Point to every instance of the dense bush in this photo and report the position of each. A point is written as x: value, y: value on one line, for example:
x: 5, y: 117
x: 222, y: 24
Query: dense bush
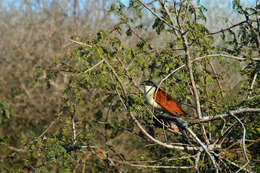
x: 70, y: 96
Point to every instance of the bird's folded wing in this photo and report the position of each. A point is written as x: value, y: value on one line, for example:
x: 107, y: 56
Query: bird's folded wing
x: 168, y: 103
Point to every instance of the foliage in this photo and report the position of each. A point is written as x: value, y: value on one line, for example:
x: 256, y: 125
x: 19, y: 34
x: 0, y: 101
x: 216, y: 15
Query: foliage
x: 93, y: 129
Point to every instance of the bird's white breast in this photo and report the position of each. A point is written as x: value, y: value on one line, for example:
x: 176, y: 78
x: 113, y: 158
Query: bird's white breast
x: 149, y: 96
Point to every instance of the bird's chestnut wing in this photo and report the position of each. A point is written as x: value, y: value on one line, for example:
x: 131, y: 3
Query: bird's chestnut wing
x: 168, y: 103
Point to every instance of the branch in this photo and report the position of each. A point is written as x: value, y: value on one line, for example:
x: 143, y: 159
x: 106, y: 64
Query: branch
x: 232, y: 163
x: 51, y: 124
x: 221, y: 139
x: 169, y: 15
x: 197, y: 160
x: 254, y: 78
x: 244, y: 136
x: 234, y: 57
x: 14, y: 148
x: 115, y: 74
x: 159, y: 17
x: 218, y: 82
x: 205, y: 148
x: 194, y: 87
x: 80, y: 43
x: 228, y: 28
x: 91, y: 68
x: 74, y: 130
x: 153, y: 166
x: 219, y: 116
x: 196, y: 97
x: 202, y: 57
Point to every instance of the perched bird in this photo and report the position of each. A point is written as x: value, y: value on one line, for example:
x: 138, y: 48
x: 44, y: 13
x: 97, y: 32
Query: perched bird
x: 159, y: 99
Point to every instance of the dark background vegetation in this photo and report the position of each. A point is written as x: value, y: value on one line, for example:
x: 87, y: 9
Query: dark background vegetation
x: 34, y: 44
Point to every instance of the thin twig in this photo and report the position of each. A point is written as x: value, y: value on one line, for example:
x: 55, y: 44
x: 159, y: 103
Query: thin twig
x: 197, y: 160
x: 73, y: 124
x: 228, y: 28
x: 215, y: 73
x: 45, y: 131
x: 254, y: 79
x: 51, y: 124
x: 80, y: 43
x: 91, y: 68
x: 14, y: 148
x: 169, y: 15
x: 74, y: 130
x: 138, y: 36
x: 221, y: 139
x: 232, y: 163
x: 115, y: 74
x: 221, y: 160
x: 202, y: 57
x: 232, y: 57
x: 186, y: 11
x: 159, y: 17
x: 224, y: 125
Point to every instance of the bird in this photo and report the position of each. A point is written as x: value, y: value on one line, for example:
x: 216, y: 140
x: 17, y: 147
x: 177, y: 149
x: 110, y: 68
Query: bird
x: 159, y: 99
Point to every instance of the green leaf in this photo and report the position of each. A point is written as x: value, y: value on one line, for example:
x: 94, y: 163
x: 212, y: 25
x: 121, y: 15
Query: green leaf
x: 5, y: 111
x: 158, y: 25
x: 129, y: 32
x: 138, y: 12
x: 99, y: 115
x: 64, y: 170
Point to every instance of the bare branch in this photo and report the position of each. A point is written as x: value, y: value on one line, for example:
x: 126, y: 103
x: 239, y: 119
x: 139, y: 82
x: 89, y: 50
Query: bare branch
x: 153, y: 166
x: 45, y: 131
x: 14, y: 148
x: 73, y: 114
x: 166, y: 77
x: 186, y: 11
x: 219, y: 116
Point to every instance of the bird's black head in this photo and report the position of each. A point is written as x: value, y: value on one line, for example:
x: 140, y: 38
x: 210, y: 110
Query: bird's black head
x: 148, y: 83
